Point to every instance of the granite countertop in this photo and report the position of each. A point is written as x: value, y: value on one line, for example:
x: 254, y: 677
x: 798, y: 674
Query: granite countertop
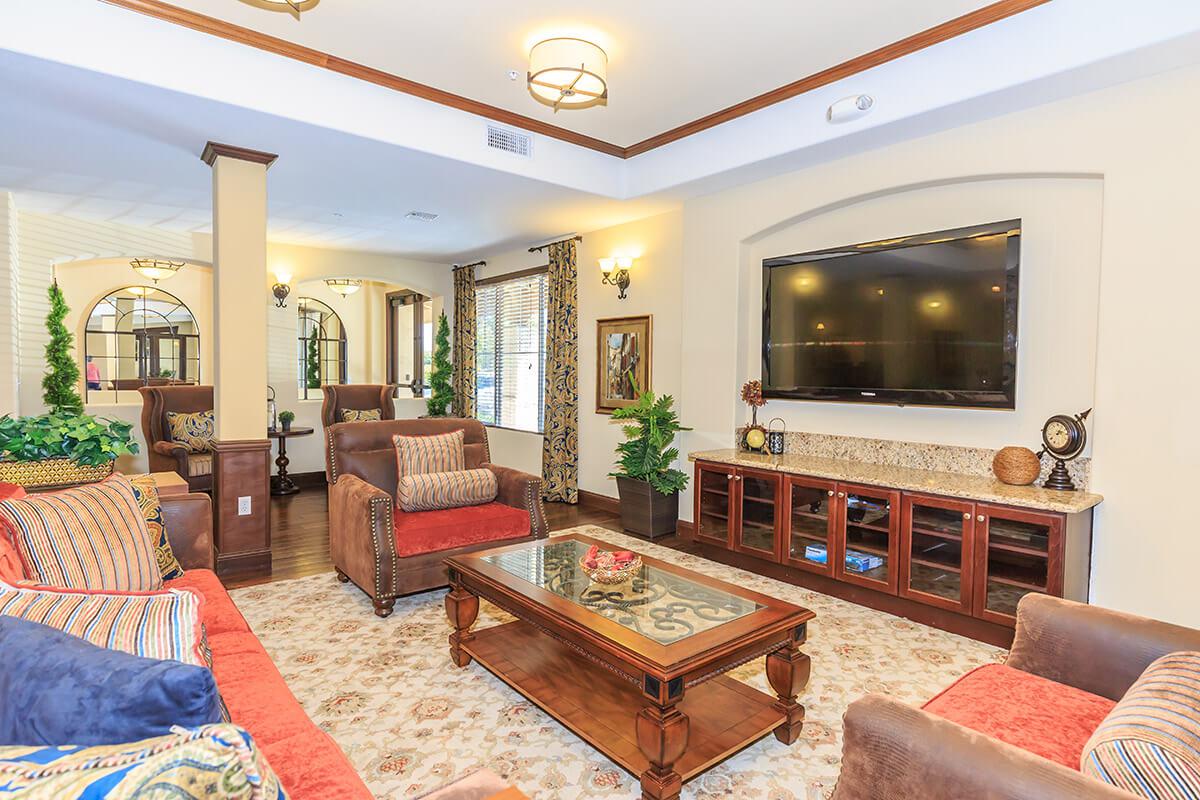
x: 971, y: 487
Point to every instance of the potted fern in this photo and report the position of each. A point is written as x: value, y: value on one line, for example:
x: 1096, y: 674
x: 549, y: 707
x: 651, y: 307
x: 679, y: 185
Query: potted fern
x: 647, y: 483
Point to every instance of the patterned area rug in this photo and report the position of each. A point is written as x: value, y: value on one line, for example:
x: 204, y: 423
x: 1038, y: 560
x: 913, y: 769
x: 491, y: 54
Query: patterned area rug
x: 409, y: 721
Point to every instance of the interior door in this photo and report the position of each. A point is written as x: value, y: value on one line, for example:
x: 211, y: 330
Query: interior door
x: 1019, y: 552
x: 938, y: 539
x: 809, y: 522
x: 868, y: 536
x: 715, y: 493
x: 758, y: 515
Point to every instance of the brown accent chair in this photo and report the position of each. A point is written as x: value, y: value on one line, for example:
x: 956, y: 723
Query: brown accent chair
x: 166, y: 455
x: 388, y: 553
x: 893, y: 750
x: 356, y: 397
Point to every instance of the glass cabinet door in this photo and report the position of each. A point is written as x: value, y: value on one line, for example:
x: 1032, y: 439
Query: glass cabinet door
x: 811, y: 520
x: 869, y: 536
x: 938, y: 536
x: 758, y: 521
x: 1019, y: 554
x: 714, y: 507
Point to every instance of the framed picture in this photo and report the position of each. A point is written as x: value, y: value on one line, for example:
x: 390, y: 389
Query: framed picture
x: 623, y: 350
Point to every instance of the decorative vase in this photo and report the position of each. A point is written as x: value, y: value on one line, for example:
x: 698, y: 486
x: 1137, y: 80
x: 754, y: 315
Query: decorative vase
x: 286, y: 424
x: 1017, y: 466
x: 52, y: 473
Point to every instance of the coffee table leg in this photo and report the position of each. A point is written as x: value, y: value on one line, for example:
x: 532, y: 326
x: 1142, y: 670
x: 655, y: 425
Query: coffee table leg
x: 462, y: 608
x: 788, y: 671
x: 662, y: 735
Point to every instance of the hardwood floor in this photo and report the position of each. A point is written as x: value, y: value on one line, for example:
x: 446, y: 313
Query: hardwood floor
x: 300, y: 534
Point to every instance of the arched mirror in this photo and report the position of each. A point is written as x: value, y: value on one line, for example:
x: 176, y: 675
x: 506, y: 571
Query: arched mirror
x: 320, y: 347
x: 138, y: 336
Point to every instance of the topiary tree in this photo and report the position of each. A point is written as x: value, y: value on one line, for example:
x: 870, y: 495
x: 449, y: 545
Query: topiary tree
x: 60, y: 385
x: 312, y: 362
x: 441, y: 393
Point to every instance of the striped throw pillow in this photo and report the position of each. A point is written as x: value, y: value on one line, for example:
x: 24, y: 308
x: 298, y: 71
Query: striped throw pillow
x: 220, y: 762
x: 361, y: 414
x: 430, y: 491
x: 194, y: 431
x: 163, y: 625
x: 1149, y: 744
x: 416, y: 455
x: 87, y: 537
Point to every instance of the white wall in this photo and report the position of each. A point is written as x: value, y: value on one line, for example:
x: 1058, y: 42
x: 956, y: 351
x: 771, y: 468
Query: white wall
x: 1114, y: 151
x: 10, y: 306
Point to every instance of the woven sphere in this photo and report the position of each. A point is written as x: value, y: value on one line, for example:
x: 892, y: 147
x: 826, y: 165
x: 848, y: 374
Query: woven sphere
x: 1018, y: 466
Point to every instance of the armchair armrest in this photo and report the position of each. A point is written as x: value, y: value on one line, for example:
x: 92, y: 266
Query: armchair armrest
x: 892, y: 751
x: 189, y: 524
x: 361, y: 539
x: 168, y: 457
x: 1094, y: 649
x: 522, y: 490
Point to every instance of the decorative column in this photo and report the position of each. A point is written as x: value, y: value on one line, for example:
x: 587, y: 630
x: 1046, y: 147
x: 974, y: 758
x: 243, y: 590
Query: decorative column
x: 10, y: 286
x: 241, y: 469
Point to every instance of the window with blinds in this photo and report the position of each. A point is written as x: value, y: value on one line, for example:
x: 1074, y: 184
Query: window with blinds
x: 510, y: 352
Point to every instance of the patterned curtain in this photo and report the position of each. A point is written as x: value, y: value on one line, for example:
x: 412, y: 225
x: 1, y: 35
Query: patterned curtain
x: 560, y: 445
x: 464, y: 341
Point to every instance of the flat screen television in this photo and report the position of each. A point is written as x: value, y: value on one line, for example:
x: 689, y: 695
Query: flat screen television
x: 929, y: 319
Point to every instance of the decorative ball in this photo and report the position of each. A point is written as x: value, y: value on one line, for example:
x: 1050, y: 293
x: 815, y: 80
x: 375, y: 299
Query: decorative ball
x: 1018, y: 466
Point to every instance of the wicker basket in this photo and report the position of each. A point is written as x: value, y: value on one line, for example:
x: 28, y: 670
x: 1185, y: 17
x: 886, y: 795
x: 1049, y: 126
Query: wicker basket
x: 1018, y: 466
x: 613, y: 577
x: 52, y: 473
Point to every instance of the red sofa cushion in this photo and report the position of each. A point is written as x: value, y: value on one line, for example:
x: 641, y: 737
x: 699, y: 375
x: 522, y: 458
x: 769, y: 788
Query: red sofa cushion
x: 309, y: 764
x: 419, y: 532
x: 1046, y: 718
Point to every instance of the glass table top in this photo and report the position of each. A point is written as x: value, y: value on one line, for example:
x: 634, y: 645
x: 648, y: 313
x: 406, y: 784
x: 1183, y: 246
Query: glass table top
x: 659, y: 605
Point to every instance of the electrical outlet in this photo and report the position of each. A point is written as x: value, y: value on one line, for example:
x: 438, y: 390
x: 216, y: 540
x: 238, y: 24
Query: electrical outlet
x: 243, y: 506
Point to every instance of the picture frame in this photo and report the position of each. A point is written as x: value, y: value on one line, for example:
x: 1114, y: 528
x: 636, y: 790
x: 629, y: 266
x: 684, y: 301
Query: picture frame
x: 622, y: 344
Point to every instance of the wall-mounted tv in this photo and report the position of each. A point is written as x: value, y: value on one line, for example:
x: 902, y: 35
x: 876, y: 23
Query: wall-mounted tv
x: 929, y: 319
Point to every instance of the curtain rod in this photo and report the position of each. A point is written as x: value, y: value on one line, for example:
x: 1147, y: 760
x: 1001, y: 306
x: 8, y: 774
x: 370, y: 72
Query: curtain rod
x: 541, y: 247
x: 473, y: 264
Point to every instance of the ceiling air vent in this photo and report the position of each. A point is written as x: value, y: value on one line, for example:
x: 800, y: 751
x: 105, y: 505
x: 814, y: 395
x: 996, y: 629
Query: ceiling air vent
x: 510, y: 141
x: 421, y: 216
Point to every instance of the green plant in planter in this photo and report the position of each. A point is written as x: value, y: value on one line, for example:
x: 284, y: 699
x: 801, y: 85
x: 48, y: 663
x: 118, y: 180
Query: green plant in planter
x: 647, y: 454
x: 79, y: 437
x: 287, y: 417
x: 441, y: 392
x: 60, y: 385
x: 312, y: 363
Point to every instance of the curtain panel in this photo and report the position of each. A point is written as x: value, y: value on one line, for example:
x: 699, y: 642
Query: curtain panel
x: 463, y: 352
x: 560, y: 445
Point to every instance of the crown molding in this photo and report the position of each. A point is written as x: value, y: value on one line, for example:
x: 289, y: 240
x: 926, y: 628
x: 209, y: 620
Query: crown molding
x: 214, y: 149
x: 974, y: 20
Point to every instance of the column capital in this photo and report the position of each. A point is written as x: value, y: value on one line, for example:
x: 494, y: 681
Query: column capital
x: 214, y: 149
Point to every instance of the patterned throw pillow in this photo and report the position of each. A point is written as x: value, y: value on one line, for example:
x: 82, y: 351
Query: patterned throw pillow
x: 195, y: 431
x: 86, y: 537
x: 416, y: 455
x: 1149, y: 744
x: 361, y: 414
x: 436, y: 490
x: 164, y: 624
x: 218, y: 762
x: 145, y: 490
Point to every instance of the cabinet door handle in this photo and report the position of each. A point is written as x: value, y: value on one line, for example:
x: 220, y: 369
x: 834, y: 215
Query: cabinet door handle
x: 966, y: 516
x: 830, y: 493
x: 737, y: 477
x: 728, y: 477
x: 841, y: 494
x: 980, y: 518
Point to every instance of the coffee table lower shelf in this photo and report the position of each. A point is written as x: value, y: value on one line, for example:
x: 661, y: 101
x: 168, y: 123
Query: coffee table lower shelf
x: 600, y: 707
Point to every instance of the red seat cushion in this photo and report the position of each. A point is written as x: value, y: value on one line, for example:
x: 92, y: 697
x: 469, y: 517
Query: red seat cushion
x: 419, y: 532
x: 220, y: 614
x: 1049, y: 719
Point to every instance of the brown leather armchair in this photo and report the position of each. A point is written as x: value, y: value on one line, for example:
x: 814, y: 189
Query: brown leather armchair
x: 356, y: 397
x: 893, y: 750
x: 169, y: 456
x: 373, y: 545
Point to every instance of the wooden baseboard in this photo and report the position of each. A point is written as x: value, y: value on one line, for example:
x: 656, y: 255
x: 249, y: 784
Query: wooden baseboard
x: 308, y: 480
x: 599, y: 502
x: 256, y: 563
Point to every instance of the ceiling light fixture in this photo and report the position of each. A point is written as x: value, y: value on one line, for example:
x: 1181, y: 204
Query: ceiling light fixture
x: 344, y: 286
x: 156, y: 269
x: 293, y: 7
x: 566, y: 72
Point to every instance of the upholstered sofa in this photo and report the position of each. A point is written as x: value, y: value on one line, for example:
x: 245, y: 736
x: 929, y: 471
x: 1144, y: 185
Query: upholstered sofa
x: 340, y: 398
x: 387, y: 552
x: 309, y: 764
x: 165, y: 454
x: 1013, y: 731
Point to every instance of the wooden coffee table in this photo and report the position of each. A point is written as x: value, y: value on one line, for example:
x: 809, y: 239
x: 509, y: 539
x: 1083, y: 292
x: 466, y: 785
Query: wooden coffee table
x: 636, y: 670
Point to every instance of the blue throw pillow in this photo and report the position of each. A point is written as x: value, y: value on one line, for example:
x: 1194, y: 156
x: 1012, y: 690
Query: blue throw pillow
x: 58, y: 689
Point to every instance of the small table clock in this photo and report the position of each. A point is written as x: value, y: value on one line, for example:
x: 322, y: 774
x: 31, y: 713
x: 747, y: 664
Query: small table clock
x: 1064, y: 438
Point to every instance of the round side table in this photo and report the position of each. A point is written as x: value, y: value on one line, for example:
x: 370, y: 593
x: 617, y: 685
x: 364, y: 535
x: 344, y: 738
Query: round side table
x: 281, y: 484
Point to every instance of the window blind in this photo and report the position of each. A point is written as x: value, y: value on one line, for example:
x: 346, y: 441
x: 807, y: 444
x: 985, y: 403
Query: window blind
x: 510, y: 352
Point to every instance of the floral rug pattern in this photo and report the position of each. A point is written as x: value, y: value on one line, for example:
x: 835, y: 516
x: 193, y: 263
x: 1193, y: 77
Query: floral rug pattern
x: 386, y: 691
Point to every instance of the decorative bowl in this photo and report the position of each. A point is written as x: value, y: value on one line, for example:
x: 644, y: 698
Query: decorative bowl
x: 1017, y: 466
x: 610, y: 576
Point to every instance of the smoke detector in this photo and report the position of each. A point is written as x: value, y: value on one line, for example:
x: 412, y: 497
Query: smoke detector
x: 421, y: 216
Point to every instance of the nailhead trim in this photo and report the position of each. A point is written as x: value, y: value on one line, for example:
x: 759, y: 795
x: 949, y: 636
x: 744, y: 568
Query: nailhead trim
x: 376, y: 503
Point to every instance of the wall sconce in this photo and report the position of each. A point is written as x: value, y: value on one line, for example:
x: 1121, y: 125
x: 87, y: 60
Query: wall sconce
x: 615, y: 272
x: 281, y: 289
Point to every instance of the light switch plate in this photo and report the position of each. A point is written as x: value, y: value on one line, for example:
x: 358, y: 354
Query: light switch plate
x: 243, y: 506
